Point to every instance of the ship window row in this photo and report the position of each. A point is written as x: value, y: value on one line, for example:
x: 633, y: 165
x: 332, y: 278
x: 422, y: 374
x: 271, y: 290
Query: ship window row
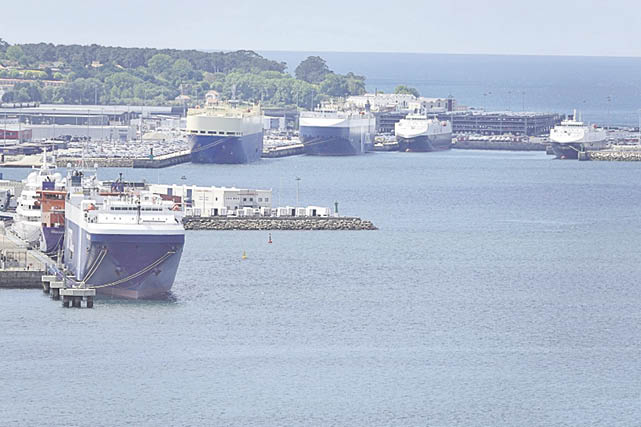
x: 126, y: 208
x: 213, y: 132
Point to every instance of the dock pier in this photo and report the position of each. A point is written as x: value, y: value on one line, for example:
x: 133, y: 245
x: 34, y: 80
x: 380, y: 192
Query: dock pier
x: 22, y: 268
x: 47, y: 279
x: 75, y: 296
x: 56, y: 286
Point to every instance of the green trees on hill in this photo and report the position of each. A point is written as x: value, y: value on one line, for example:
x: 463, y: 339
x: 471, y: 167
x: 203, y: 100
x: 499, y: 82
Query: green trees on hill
x: 402, y: 89
x: 312, y: 70
x: 116, y: 75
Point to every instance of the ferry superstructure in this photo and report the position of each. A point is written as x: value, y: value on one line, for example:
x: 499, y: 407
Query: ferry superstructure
x: 417, y: 132
x: 572, y: 136
x: 332, y: 132
x: 28, y: 213
x: 52, y: 229
x: 125, y: 244
x: 225, y: 132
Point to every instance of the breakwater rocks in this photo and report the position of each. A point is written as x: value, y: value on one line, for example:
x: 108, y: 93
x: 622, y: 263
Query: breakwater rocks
x: 499, y: 145
x: 615, y: 156
x: 277, y: 223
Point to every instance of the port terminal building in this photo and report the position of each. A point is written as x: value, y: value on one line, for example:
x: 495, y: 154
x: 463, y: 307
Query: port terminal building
x: 230, y: 201
x: 501, y: 123
x: 217, y: 201
x: 482, y: 122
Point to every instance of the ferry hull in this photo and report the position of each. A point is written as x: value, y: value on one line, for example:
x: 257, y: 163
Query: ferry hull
x: 226, y: 149
x: 338, y: 141
x: 425, y: 143
x: 571, y: 150
x: 566, y: 151
x: 124, y: 265
x: 51, y: 239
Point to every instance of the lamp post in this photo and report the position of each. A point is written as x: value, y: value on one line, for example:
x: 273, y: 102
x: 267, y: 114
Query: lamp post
x: 609, y: 98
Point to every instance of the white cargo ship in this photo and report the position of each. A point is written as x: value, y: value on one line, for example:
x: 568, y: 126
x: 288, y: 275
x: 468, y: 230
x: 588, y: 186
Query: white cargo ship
x: 27, y: 220
x: 417, y: 132
x: 573, y: 136
x: 332, y: 132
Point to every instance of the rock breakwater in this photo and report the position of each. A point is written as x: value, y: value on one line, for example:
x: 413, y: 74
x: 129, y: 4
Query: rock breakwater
x: 615, y: 156
x: 277, y: 223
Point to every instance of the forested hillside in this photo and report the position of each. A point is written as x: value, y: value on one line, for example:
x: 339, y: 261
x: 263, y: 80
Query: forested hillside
x: 76, y: 74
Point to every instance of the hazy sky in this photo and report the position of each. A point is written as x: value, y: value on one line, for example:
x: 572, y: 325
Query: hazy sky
x: 559, y: 27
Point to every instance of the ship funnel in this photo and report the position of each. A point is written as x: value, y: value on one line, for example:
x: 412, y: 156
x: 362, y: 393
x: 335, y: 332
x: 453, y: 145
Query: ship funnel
x: 574, y: 116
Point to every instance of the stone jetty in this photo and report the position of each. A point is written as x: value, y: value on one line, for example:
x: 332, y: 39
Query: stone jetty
x: 277, y: 223
x: 615, y: 155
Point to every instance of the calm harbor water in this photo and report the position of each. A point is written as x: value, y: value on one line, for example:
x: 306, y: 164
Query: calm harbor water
x: 501, y: 289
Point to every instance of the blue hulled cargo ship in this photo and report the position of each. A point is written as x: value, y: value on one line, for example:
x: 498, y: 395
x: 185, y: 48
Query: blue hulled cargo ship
x: 330, y: 132
x: 126, y: 244
x: 225, y: 132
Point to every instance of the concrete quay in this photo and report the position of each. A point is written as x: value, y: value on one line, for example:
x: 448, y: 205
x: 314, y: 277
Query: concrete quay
x: 19, y: 267
x: 391, y: 146
x: 499, y: 145
x: 163, y: 161
x: 277, y: 223
x: 103, y: 162
x: 284, y: 151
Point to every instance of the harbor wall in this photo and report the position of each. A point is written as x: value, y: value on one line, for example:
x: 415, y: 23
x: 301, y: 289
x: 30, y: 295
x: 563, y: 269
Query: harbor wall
x: 499, y: 145
x: 159, y: 162
x: 162, y: 162
x: 289, y: 150
x: 277, y: 223
x: 23, y: 279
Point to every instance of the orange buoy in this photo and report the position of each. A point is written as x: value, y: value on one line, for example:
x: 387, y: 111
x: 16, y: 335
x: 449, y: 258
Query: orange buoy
x: 270, y: 238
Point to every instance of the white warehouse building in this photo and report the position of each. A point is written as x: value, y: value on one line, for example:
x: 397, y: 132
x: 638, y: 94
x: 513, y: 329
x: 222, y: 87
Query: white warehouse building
x: 215, y: 201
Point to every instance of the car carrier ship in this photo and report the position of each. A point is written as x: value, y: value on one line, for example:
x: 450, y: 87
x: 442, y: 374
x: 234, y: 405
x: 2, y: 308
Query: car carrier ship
x: 332, y: 132
x: 225, y: 132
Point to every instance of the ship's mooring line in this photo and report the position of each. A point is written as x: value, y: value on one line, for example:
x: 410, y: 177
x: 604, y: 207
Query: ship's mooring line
x: 139, y: 273
x: 56, y: 247
x: 210, y: 145
x: 101, y: 256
